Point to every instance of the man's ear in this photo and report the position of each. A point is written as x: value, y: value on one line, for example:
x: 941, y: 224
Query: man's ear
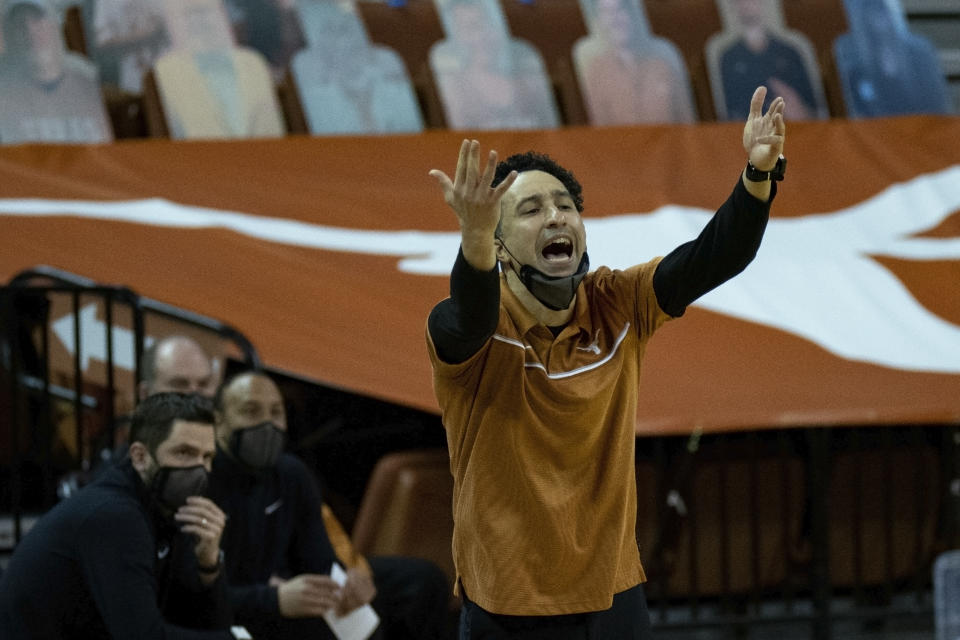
x: 502, y: 256
x: 219, y: 428
x: 143, y: 390
x: 140, y: 457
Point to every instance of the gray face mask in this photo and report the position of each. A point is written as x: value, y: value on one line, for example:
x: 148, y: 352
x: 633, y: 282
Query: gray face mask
x: 171, y: 486
x: 258, y: 447
x: 554, y: 292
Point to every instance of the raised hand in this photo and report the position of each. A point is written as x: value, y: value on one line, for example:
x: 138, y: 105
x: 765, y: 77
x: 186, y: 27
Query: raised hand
x: 476, y: 203
x: 764, y: 133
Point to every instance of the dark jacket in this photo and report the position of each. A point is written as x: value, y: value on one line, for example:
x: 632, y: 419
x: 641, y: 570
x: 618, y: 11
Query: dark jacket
x: 104, y: 564
x: 274, y: 528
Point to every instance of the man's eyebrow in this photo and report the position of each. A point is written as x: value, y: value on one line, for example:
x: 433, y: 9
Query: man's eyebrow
x: 186, y: 447
x: 556, y: 193
x: 528, y: 199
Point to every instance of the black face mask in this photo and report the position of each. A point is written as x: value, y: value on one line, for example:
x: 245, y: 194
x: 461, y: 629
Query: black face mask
x: 171, y: 486
x: 554, y: 292
x: 258, y: 447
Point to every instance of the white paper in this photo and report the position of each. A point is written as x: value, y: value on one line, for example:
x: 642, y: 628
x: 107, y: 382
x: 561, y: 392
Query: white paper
x: 356, y: 625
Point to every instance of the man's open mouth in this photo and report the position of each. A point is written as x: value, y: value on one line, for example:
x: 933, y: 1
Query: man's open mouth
x: 558, y: 249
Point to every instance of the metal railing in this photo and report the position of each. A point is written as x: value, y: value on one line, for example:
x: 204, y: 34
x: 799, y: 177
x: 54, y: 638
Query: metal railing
x: 811, y: 527
x: 30, y: 433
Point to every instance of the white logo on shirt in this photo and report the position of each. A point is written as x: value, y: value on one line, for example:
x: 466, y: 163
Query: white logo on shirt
x: 273, y: 507
x: 593, y: 347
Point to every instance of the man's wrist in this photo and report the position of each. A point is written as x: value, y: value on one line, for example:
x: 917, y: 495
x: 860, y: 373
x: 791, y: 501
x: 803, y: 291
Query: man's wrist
x: 212, y: 568
x: 776, y: 173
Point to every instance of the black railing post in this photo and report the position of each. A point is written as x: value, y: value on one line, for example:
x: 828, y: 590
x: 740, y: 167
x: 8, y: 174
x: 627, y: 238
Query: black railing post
x: 818, y: 479
x: 111, y: 382
x: 78, y: 378
x: 755, y: 529
x: 11, y: 349
x: 45, y: 413
x: 139, y: 337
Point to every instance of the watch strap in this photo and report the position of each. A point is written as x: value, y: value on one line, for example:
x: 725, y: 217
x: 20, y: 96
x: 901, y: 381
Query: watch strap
x: 755, y: 175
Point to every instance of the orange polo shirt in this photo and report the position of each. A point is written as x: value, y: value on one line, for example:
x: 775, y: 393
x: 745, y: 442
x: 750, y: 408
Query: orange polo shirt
x: 541, y: 437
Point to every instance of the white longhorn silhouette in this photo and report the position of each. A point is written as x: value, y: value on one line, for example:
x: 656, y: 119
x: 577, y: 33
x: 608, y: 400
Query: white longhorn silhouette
x: 814, y: 275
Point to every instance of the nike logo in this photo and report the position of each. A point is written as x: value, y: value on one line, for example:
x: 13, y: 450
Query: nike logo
x: 163, y: 551
x: 273, y: 507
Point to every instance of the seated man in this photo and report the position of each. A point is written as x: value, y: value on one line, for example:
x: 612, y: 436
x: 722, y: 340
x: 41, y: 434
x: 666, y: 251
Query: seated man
x: 278, y: 551
x: 47, y: 94
x: 884, y: 69
x: 346, y: 84
x: 626, y: 74
x: 755, y: 48
x: 137, y: 553
x: 210, y: 88
x: 176, y: 363
x: 124, y: 38
x: 485, y: 78
x: 172, y: 363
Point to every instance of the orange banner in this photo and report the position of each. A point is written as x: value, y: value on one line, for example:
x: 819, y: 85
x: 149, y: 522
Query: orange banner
x: 328, y: 253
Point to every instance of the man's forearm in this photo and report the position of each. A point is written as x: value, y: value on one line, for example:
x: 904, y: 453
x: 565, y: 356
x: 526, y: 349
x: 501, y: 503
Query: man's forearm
x: 462, y: 323
x: 252, y: 602
x: 723, y: 249
x: 478, y: 248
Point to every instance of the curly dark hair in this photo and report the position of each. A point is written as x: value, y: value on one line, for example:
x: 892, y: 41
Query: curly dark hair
x: 534, y: 161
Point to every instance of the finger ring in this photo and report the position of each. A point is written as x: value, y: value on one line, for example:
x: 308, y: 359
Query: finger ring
x: 204, y: 522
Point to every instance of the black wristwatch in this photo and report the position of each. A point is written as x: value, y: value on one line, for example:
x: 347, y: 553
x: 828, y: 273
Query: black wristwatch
x: 214, y: 568
x: 755, y: 175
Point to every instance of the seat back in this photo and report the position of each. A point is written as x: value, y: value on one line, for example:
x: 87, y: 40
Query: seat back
x: 407, y: 509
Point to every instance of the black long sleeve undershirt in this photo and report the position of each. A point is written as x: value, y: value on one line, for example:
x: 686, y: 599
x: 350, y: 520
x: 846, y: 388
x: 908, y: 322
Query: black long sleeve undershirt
x: 461, y: 324
x: 724, y: 248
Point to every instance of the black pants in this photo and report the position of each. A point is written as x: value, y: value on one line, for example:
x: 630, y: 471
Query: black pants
x: 627, y: 619
x: 412, y: 598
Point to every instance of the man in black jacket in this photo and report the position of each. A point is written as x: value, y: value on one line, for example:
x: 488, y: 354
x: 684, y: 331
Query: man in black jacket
x: 278, y: 551
x: 137, y: 553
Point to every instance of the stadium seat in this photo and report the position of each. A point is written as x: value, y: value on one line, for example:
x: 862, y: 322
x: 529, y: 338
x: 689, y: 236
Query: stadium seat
x: 407, y: 509
x: 409, y: 28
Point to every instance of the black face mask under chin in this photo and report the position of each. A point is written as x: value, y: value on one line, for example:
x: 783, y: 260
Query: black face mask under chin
x: 258, y: 447
x: 171, y: 486
x: 554, y: 292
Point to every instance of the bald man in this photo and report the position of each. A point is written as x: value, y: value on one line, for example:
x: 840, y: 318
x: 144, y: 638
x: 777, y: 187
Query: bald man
x: 176, y: 363
x: 278, y: 551
x: 173, y: 363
